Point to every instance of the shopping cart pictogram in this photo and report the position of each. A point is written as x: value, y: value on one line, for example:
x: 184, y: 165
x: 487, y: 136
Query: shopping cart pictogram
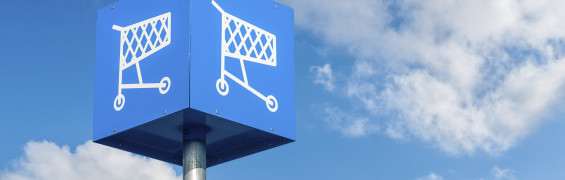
x: 246, y: 42
x: 138, y: 41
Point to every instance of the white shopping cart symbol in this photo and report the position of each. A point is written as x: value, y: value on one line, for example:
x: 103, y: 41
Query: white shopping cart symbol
x: 245, y: 42
x: 138, y: 41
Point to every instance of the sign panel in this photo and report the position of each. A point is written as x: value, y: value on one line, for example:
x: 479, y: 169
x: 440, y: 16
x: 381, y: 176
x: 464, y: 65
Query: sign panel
x: 141, y: 63
x: 244, y: 54
x: 164, y: 67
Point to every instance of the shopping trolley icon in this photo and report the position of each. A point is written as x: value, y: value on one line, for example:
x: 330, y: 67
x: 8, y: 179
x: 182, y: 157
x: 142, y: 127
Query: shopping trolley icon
x: 246, y: 42
x: 138, y: 41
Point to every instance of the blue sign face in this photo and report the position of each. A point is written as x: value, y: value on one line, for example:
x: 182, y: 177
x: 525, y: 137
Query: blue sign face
x: 243, y: 62
x: 142, y: 66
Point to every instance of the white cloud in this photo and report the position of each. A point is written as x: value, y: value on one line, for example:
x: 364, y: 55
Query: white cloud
x: 47, y: 161
x: 465, y: 76
x: 431, y: 176
x: 503, y: 174
x: 324, y: 76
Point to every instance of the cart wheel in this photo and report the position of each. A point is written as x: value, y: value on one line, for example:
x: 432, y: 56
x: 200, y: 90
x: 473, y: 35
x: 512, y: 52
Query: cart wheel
x: 272, y: 103
x: 119, y: 102
x: 167, y: 82
x: 222, y: 87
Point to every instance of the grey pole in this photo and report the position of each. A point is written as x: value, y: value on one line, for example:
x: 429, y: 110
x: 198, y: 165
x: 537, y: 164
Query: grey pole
x: 194, y: 160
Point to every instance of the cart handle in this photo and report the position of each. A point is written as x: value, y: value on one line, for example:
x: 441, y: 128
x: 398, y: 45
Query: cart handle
x: 218, y: 6
x: 118, y: 28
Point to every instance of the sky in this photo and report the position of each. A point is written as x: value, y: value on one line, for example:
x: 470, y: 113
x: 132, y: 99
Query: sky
x: 385, y: 89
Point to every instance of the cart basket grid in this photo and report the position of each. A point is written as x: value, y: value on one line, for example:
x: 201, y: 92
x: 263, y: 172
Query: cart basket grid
x: 246, y: 41
x: 144, y: 38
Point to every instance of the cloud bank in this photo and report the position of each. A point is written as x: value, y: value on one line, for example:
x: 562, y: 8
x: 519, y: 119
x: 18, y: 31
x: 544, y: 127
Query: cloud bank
x: 90, y: 161
x: 464, y: 76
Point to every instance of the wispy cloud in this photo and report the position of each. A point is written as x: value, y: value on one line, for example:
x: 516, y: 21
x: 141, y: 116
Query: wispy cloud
x: 323, y: 75
x: 431, y: 176
x: 90, y: 161
x: 496, y: 173
x: 348, y: 124
x: 503, y: 174
x: 465, y: 76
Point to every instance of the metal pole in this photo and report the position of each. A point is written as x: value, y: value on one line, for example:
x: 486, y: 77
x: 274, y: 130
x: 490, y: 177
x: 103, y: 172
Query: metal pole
x: 194, y: 160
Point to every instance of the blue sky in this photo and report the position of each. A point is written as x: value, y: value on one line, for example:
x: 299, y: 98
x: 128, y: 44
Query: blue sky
x: 384, y: 90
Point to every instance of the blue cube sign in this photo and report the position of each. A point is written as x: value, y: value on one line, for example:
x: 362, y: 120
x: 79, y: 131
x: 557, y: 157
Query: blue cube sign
x: 162, y: 66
